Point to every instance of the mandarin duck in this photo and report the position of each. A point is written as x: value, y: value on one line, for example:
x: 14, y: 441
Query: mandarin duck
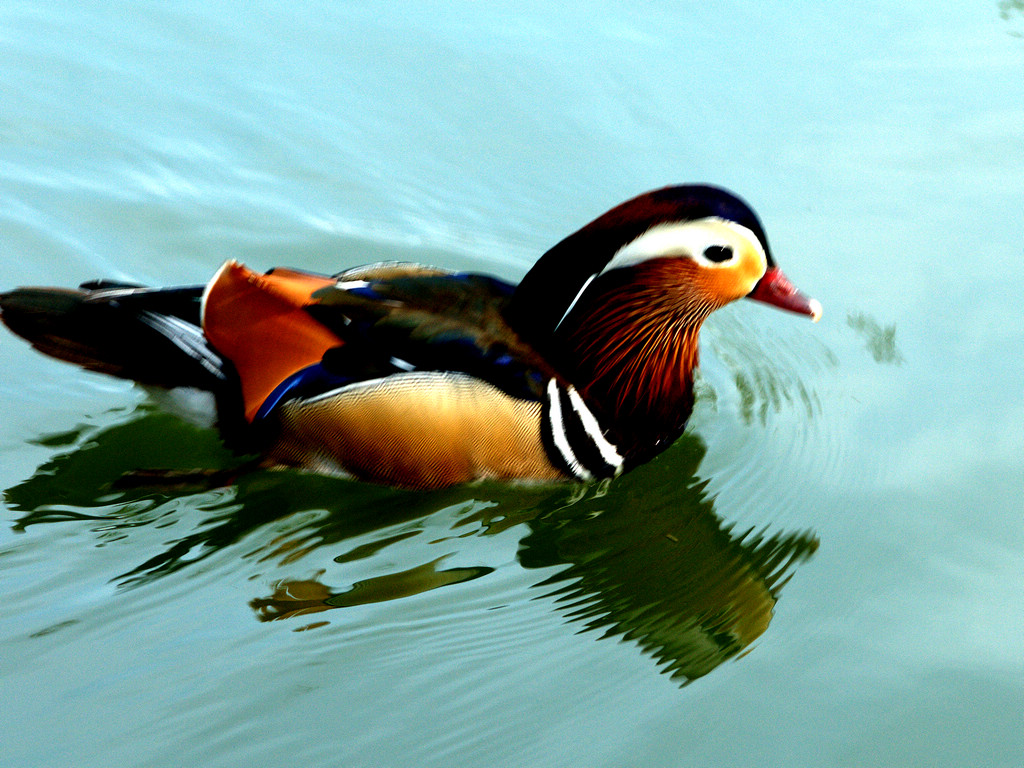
x: 420, y: 377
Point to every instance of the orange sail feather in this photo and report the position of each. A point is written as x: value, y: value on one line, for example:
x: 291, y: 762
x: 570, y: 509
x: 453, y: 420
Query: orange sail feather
x: 259, y: 323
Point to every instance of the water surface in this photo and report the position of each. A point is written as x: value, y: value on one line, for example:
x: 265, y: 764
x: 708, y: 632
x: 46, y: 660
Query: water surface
x: 825, y: 570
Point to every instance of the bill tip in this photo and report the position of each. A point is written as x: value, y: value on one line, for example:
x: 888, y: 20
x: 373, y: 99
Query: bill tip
x: 815, y: 308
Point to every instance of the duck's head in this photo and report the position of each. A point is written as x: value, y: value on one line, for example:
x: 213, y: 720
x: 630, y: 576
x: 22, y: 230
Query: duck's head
x: 621, y: 300
x: 696, y: 241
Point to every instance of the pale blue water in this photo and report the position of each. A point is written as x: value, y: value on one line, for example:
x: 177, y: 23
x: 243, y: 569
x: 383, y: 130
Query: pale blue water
x: 834, y: 554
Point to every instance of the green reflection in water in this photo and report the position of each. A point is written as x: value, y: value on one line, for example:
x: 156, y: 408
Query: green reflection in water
x: 645, y: 558
x: 653, y: 563
x: 881, y: 340
x: 300, y: 598
x: 91, y: 473
x: 762, y: 394
x: 1013, y: 11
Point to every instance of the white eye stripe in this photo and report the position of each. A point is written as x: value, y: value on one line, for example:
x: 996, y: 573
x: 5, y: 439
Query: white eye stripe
x: 689, y: 238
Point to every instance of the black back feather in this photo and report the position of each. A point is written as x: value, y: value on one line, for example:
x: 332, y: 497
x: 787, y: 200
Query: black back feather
x: 149, y: 336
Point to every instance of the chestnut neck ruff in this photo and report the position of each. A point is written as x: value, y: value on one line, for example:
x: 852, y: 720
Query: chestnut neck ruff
x: 630, y: 346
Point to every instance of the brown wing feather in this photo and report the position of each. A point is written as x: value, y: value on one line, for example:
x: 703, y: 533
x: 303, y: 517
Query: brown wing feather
x: 421, y: 430
x: 389, y: 270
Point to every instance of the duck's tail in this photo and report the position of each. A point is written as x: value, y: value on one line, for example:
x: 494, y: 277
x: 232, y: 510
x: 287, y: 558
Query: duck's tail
x: 151, y: 336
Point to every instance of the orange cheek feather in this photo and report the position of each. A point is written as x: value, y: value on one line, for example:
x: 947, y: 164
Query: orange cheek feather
x: 724, y: 285
x: 683, y: 281
x: 258, y: 323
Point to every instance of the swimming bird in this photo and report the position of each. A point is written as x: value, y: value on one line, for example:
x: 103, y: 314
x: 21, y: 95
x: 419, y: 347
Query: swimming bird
x: 420, y: 377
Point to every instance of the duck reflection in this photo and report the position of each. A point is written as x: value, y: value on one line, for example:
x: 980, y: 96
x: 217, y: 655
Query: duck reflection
x: 645, y: 558
x: 658, y: 567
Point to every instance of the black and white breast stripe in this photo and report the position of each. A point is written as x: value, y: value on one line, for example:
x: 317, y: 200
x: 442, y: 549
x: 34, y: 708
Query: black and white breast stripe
x: 574, y: 437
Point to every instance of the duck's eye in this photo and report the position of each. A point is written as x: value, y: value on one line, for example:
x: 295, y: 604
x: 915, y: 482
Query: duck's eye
x: 718, y: 253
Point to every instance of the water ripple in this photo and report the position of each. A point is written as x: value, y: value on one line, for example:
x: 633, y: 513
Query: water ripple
x: 761, y: 406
